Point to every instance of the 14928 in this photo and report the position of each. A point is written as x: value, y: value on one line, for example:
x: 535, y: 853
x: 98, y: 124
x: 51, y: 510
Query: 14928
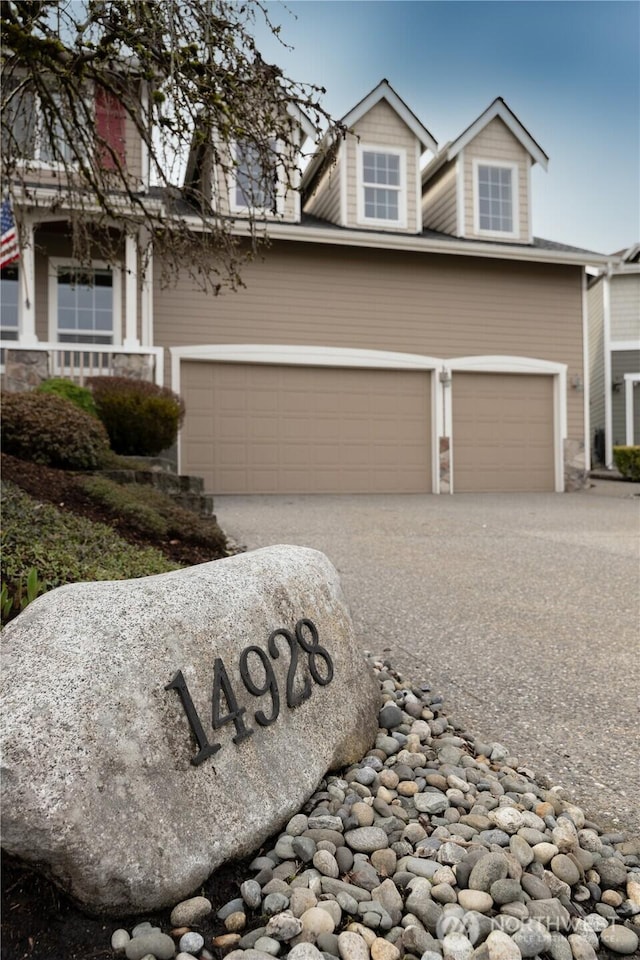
x: 303, y: 641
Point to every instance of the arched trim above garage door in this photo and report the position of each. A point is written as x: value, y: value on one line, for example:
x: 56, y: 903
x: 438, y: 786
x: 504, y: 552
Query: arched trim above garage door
x: 318, y: 356
x: 520, y: 365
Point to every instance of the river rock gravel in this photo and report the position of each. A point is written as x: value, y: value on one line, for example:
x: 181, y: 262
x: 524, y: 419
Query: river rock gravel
x: 435, y: 846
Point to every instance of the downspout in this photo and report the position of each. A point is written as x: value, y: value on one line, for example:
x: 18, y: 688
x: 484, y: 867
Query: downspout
x: 586, y: 385
x: 606, y: 332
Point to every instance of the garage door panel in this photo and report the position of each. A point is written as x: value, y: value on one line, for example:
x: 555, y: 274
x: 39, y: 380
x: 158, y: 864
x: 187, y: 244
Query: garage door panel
x: 502, y: 432
x: 283, y: 429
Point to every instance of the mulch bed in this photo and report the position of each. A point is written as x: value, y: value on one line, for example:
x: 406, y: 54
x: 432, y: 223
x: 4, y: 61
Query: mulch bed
x: 41, y: 923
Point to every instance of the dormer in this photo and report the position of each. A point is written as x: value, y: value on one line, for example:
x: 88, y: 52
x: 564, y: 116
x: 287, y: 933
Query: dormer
x: 253, y: 176
x: 372, y: 179
x: 48, y: 144
x: 478, y: 186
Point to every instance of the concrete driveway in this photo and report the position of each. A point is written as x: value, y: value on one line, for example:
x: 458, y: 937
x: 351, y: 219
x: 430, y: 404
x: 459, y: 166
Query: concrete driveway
x: 522, y: 610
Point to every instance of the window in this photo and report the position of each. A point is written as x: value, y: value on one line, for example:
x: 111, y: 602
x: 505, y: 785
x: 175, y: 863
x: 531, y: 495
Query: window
x: 381, y: 194
x: 9, y: 296
x: 24, y: 132
x: 496, y: 198
x: 256, y: 183
x: 84, y: 304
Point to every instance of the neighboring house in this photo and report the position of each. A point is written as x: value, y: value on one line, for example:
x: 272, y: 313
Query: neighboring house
x: 403, y: 332
x: 613, y: 300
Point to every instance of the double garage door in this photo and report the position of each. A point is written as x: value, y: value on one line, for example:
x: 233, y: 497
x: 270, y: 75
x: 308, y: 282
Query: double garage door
x: 262, y: 428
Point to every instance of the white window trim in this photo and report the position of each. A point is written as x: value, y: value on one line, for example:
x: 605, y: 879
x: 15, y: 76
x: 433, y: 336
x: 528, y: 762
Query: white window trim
x: 361, y: 219
x: 515, y: 205
x: 55, y: 263
x: 266, y: 212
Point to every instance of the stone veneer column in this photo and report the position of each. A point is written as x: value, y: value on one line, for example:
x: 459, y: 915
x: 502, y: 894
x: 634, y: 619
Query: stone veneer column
x: 445, y: 465
x: 24, y: 369
x: 576, y: 473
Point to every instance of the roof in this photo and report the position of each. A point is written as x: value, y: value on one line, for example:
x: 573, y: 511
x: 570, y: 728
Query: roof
x: 499, y: 108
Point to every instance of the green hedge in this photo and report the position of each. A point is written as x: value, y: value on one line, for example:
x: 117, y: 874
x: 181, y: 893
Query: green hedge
x: 627, y: 460
x: 50, y: 430
x: 141, y: 418
x: 81, y: 397
x: 64, y: 548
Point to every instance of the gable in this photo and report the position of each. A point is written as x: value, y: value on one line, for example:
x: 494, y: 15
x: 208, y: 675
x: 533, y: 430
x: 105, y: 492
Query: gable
x: 497, y: 142
x: 381, y: 124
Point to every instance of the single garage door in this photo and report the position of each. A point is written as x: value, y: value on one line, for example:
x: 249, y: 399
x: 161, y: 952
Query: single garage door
x: 502, y: 436
x: 258, y: 428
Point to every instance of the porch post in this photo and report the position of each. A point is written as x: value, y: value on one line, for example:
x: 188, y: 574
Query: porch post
x: 27, y: 273
x: 146, y: 303
x: 131, y: 293
x: 630, y: 381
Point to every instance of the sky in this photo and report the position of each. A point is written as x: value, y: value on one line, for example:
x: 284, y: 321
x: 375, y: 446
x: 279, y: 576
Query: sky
x: 569, y: 70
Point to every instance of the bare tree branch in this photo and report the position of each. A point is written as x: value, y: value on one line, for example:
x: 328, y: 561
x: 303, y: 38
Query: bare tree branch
x: 186, y: 80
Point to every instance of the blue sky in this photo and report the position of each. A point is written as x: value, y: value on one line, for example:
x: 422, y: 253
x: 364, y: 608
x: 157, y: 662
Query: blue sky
x: 569, y: 70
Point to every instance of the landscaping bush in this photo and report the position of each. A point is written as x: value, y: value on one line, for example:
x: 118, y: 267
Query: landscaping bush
x: 47, y: 429
x: 80, y: 396
x: 131, y: 503
x: 155, y: 513
x: 627, y: 460
x: 64, y: 548
x: 141, y: 418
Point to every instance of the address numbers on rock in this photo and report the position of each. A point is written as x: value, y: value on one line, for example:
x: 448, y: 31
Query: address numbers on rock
x: 259, y: 679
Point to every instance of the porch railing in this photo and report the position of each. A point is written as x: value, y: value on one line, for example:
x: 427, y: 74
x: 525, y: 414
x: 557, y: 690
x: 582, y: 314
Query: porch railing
x: 79, y: 361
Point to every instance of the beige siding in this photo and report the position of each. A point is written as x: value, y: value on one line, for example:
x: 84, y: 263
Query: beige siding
x: 496, y: 143
x: 596, y: 356
x: 439, y: 206
x: 325, y: 202
x: 624, y: 361
x: 625, y: 307
x: 133, y: 150
x: 386, y: 300
x: 382, y: 127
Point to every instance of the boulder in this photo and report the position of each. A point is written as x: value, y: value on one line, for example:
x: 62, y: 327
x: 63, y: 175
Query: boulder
x: 153, y: 729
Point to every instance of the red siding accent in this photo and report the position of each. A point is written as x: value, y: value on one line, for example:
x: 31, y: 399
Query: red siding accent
x: 110, y: 123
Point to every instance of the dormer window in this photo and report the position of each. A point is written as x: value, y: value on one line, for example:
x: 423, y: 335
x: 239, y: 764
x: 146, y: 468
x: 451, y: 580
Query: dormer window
x: 256, y: 184
x: 496, y: 199
x: 31, y: 139
x: 382, y: 186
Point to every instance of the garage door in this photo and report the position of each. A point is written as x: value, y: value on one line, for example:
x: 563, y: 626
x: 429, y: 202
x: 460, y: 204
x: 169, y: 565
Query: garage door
x: 257, y: 428
x: 502, y: 436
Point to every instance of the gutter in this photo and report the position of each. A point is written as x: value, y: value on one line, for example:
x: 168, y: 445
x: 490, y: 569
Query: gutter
x: 419, y: 244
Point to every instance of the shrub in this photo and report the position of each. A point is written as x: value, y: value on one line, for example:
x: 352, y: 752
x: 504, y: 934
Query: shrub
x: 64, y: 548
x: 80, y: 396
x: 47, y: 429
x: 627, y: 460
x: 129, y: 503
x: 141, y: 418
x: 155, y: 513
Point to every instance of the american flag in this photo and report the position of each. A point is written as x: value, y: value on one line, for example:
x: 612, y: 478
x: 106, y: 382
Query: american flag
x: 10, y: 244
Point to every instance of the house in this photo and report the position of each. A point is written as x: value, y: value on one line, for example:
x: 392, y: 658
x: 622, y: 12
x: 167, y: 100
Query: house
x: 404, y: 331
x: 613, y: 301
